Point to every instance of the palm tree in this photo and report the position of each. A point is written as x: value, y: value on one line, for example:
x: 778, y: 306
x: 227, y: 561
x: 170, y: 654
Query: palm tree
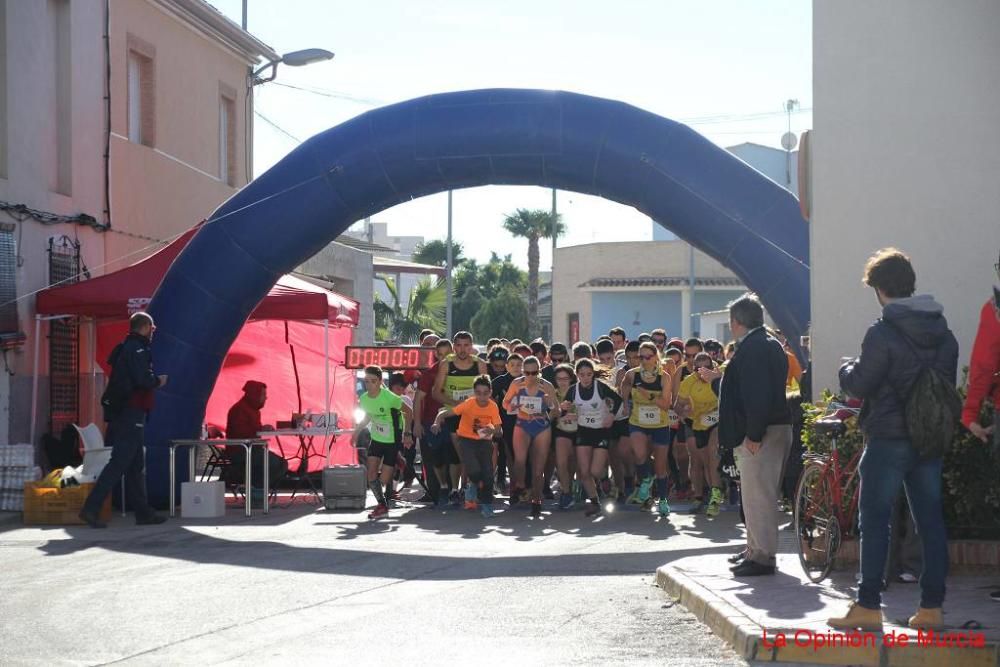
x: 533, y: 225
x: 425, y: 310
x: 436, y: 252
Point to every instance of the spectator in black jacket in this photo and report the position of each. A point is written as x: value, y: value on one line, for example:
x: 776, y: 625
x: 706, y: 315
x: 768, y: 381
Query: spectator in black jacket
x: 755, y: 422
x: 911, y: 334
x: 126, y: 403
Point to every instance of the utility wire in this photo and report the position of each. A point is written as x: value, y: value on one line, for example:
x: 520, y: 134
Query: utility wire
x: 367, y: 101
x: 277, y: 127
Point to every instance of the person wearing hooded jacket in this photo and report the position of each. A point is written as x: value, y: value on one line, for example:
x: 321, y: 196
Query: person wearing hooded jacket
x: 126, y: 403
x: 882, y: 375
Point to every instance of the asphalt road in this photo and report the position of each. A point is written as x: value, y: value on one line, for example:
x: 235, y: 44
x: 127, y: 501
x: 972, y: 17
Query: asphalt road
x: 426, y: 587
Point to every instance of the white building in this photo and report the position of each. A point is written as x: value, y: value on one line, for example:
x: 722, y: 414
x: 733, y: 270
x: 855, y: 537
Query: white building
x: 905, y: 152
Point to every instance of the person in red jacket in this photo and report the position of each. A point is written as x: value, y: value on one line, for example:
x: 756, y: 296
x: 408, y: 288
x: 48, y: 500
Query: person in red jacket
x: 984, y: 367
x: 984, y: 374
x: 243, y: 421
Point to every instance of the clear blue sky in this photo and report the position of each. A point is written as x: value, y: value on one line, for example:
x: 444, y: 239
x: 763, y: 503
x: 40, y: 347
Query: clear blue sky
x: 709, y: 63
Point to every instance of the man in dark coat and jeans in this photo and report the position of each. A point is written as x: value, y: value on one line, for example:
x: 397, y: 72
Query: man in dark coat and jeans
x: 755, y: 422
x: 126, y: 402
x: 911, y: 334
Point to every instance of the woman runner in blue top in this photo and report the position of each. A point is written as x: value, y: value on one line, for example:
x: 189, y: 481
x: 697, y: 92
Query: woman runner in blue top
x: 534, y: 399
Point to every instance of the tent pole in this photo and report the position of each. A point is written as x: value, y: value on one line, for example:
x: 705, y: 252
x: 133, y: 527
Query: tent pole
x: 34, y: 379
x: 93, y: 370
x: 326, y: 382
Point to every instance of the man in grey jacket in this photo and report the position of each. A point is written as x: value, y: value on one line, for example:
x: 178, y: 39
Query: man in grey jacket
x: 912, y: 334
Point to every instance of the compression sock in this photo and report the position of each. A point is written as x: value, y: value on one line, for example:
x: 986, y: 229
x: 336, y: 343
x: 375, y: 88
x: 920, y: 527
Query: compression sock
x: 629, y: 483
x: 644, y: 470
x: 376, y: 487
x: 661, y: 487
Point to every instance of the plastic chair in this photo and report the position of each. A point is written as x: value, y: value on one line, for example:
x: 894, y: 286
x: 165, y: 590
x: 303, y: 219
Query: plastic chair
x: 92, y: 438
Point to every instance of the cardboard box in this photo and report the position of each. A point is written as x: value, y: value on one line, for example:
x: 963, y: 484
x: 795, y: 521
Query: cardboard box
x: 47, y: 506
x: 203, y: 500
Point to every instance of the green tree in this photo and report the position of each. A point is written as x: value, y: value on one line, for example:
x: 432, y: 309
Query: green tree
x: 533, y: 225
x: 505, y: 315
x: 465, y: 308
x: 491, y: 278
x: 436, y: 253
x: 425, y: 310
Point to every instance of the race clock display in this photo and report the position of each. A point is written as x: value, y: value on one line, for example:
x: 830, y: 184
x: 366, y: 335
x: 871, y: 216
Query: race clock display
x: 398, y: 357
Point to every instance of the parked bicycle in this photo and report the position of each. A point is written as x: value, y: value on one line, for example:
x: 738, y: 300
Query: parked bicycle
x: 826, y: 498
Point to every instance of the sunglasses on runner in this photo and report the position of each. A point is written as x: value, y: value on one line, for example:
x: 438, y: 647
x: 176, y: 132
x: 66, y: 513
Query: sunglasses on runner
x: 531, y: 372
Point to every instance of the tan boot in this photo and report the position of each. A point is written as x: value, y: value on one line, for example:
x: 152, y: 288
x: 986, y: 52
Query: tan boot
x: 858, y: 618
x: 927, y: 619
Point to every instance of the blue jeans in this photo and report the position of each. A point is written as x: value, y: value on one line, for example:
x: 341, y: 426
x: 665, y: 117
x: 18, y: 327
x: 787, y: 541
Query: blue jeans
x: 885, y: 465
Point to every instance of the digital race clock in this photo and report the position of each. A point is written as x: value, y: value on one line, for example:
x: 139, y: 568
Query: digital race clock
x: 391, y: 357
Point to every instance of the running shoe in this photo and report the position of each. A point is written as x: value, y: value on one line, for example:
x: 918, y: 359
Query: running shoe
x: 648, y: 504
x: 486, y: 510
x: 470, y: 493
x: 455, y: 498
x: 536, y: 510
x: 714, y: 503
x: 471, y: 505
x: 379, y: 512
x: 525, y: 496
x: 593, y: 509
x: 605, y: 487
x: 664, y: 507
x: 442, y: 500
x: 547, y: 492
x: 565, y: 501
x: 577, y: 490
x: 641, y: 494
x: 696, y: 506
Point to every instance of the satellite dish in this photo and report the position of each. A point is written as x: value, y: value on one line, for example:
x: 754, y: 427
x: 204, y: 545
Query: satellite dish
x: 789, y: 141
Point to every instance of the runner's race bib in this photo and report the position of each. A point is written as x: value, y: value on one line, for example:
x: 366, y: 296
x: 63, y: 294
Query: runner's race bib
x: 673, y: 418
x: 531, y: 405
x: 460, y: 395
x: 711, y: 419
x: 381, y: 429
x: 590, y: 419
x: 649, y: 415
x: 568, y: 422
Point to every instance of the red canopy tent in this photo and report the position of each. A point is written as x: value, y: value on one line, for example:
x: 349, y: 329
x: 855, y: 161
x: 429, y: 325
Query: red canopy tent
x: 284, y: 344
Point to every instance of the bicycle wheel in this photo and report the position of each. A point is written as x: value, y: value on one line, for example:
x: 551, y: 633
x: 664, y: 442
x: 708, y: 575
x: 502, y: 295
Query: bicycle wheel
x: 816, y: 527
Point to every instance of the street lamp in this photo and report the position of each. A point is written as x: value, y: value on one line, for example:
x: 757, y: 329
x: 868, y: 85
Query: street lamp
x: 293, y: 59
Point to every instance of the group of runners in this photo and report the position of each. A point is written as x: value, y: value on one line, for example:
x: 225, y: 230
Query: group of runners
x: 616, y: 421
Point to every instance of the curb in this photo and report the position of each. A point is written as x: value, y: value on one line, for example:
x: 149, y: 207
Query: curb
x: 744, y: 635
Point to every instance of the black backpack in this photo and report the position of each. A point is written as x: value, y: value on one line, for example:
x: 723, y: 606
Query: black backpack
x: 931, y: 410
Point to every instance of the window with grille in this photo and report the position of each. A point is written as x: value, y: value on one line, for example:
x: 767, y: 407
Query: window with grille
x: 64, y: 340
x: 8, y: 272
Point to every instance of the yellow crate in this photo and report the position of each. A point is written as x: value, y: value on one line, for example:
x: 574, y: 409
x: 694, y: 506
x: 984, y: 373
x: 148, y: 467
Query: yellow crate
x: 50, y: 506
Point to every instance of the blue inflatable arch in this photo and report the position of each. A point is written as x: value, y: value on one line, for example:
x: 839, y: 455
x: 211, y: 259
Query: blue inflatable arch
x: 449, y: 141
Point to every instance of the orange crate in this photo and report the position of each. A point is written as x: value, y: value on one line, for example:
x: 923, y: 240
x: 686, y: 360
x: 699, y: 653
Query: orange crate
x: 51, y: 506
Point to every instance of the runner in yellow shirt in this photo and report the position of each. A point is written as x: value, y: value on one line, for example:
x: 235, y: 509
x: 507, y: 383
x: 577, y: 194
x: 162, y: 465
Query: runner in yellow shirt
x: 697, y: 400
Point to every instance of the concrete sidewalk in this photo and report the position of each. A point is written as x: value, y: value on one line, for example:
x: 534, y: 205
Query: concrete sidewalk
x: 740, y: 610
